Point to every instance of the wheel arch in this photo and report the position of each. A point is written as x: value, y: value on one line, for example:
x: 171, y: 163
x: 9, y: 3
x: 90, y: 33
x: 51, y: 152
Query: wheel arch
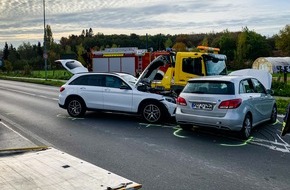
x: 71, y: 97
x: 249, y: 114
x: 146, y: 101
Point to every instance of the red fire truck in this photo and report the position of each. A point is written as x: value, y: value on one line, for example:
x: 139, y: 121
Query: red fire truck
x: 125, y: 59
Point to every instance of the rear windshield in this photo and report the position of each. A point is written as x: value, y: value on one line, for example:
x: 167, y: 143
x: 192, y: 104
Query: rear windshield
x: 209, y: 87
x: 72, y: 64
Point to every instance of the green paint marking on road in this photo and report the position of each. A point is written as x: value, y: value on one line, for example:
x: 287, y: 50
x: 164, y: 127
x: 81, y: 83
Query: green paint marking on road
x: 68, y: 117
x: 277, y: 121
x: 241, y: 144
x: 75, y: 118
x: 177, y: 135
x: 150, y: 125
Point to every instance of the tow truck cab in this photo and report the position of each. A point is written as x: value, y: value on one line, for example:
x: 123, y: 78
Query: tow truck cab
x: 188, y: 65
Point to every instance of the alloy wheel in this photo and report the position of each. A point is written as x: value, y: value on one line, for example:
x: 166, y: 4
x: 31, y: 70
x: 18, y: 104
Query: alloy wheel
x: 151, y: 113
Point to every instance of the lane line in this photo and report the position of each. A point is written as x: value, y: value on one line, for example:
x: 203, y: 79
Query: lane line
x: 30, y: 94
x: 14, y: 131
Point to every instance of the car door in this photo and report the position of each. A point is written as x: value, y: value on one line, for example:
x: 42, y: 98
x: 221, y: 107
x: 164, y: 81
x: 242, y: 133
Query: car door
x: 118, y: 96
x: 90, y: 87
x: 264, y: 101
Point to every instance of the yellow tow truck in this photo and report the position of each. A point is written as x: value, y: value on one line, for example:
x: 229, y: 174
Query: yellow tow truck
x: 204, y: 62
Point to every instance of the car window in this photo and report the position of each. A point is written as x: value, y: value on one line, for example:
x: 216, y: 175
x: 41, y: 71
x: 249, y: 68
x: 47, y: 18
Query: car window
x: 258, y: 86
x: 89, y: 80
x: 246, y: 86
x: 82, y: 80
x: 72, y: 64
x: 210, y: 87
x: 113, y: 82
x: 192, y: 65
x: 96, y: 80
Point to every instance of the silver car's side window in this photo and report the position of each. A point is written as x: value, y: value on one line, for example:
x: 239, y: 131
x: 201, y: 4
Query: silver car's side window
x: 246, y: 86
x: 258, y: 86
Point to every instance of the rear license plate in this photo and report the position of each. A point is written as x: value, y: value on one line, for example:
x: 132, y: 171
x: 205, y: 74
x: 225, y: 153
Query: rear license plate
x: 202, y: 106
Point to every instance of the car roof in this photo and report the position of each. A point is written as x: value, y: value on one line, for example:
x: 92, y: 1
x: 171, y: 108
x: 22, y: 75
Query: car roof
x: 230, y: 78
x: 103, y: 73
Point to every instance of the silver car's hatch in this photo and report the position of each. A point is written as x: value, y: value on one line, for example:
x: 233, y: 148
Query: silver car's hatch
x: 262, y: 75
x: 204, y: 97
x: 72, y: 65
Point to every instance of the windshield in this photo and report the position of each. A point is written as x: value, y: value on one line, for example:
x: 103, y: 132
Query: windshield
x: 215, y: 64
x: 129, y: 78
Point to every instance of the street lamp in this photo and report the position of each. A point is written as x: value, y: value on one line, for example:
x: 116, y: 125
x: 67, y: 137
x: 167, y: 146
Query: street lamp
x: 44, y: 42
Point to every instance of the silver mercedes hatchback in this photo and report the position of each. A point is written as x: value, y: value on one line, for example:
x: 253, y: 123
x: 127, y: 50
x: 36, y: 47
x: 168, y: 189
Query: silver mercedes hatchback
x: 234, y: 102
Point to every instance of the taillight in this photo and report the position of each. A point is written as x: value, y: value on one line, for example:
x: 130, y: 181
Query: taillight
x: 181, y: 101
x: 61, y: 89
x: 230, y: 104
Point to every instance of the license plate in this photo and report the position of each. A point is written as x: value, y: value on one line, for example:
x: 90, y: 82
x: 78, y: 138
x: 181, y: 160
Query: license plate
x: 202, y: 106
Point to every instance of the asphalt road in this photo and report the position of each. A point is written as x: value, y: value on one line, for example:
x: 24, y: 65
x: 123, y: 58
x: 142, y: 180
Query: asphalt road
x: 157, y: 156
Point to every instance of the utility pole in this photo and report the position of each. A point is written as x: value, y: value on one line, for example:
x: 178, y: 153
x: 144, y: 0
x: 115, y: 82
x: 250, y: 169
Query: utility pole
x: 44, y: 42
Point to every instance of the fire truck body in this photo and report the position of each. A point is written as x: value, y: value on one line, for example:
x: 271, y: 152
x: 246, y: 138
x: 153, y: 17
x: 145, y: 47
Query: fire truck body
x: 128, y: 60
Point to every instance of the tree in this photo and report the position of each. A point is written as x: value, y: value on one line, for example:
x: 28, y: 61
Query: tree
x: 5, y: 51
x: 204, y: 41
x: 250, y: 46
x: 228, y: 45
x: 283, y: 40
x: 168, y: 43
x: 83, y: 33
x: 179, y: 46
x: 48, y: 36
x: 8, y: 66
x: 91, y: 33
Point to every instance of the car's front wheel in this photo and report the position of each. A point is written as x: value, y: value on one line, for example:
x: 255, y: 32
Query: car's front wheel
x: 247, y: 127
x: 76, y: 107
x: 151, y: 112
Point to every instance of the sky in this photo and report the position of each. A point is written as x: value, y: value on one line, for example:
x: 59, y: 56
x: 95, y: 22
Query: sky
x: 23, y: 20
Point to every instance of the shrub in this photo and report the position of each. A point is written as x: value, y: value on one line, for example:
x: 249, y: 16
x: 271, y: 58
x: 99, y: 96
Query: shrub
x: 281, y: 89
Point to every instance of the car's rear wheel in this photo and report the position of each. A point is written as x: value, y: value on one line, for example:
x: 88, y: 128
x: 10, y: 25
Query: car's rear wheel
x: 273, y: 114
x: 76, y: 107
x: 151, y: 112
x: 186, y: 127
x: 247, y: 127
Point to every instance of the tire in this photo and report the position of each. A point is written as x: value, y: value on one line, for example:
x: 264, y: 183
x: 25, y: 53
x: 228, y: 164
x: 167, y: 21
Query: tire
x: 152, y: 112
x: 273, y: 114
x: 247, y: 127
x: 185, y: 127
x: 76, y: 107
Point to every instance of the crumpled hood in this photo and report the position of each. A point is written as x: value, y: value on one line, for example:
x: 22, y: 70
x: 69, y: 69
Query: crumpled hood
x: 150, y: 71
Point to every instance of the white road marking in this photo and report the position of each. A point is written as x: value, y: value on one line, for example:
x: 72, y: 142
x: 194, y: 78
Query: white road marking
x: 13, y: 130
x: 30, y: 94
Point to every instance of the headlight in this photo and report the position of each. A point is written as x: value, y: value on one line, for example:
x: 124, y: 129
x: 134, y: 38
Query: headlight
x: 171, y: 100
